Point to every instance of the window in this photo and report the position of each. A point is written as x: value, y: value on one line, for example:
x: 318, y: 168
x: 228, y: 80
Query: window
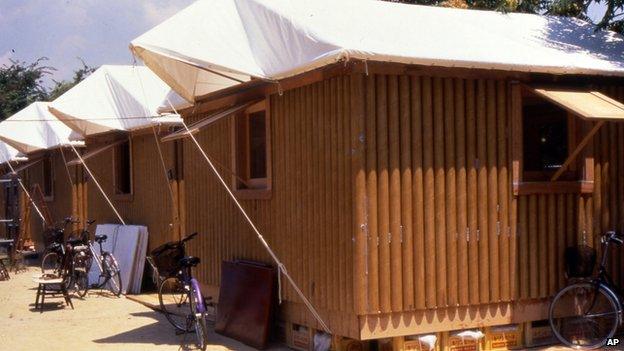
x: 545, y: 139
x: 252, y: 151
x: 549, y: 152
x: 48, y: 179
x: 122, y: 168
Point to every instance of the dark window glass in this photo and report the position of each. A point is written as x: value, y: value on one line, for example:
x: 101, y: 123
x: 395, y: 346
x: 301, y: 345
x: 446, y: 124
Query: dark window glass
x: 545, y: 137
x: 123, y: 182
x: 48, y: 182
x: 257, y: 145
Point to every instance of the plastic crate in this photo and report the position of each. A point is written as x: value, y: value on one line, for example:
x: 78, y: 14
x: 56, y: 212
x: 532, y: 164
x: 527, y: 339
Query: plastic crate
x: 453, y: 341
x: 503, y: 337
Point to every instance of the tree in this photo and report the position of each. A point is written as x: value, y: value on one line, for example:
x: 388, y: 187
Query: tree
x: 21, y: 84
x: 60, y: 87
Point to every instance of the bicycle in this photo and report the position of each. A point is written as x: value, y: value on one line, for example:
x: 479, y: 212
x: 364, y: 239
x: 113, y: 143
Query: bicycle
x: 54, y: 250
x: 83, y: 254
x: 586, y: 313
x: 179, y: 293
x: 110, y: 275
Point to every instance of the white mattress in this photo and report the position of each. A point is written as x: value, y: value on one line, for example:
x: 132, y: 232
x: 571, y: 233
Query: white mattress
x: 129, y: 245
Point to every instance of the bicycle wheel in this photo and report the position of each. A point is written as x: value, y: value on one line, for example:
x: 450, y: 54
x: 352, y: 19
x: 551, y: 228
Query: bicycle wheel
x: 175, y: 303
x: 584, y: 315
x: 51, y: 263
x: 80, y: 276
x: 199, y: 319
x: 112, y: 274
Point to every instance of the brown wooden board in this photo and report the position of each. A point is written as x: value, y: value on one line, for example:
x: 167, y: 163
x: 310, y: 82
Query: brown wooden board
x: 246, y: 302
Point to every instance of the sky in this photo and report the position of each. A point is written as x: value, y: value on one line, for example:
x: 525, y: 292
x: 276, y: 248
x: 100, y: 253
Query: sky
x: 97, y: 31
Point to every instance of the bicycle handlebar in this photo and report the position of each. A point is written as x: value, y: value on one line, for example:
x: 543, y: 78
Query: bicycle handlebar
x: 173, y: 243
x: 614, y: 237
x: 188, y: 237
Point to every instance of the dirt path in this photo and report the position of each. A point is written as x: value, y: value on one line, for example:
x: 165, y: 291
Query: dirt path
x: 99, y: 322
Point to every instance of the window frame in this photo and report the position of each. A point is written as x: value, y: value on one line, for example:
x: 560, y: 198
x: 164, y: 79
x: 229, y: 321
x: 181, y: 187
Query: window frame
x: 46, y: 197
x: 261, y: 187
x: 582, y: 168
x: 118, y: 195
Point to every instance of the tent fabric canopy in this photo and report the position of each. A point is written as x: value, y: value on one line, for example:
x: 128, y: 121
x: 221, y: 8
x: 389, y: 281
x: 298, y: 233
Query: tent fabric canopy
x: 173, y: 103
x: 114, y: 98
x: 587, y: 104
x: 195, y: 50
x: 34, y: 128
x: 10, y: 154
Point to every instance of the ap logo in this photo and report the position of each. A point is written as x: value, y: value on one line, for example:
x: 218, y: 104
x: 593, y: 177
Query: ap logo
x: 613, y: 342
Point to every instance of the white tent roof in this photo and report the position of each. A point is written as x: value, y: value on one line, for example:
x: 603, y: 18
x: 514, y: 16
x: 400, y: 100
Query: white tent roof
x: 9, y: 153
x: 114, y: 98
x: 274, y: 39
x: 34, y: 128
x: 173, y: 102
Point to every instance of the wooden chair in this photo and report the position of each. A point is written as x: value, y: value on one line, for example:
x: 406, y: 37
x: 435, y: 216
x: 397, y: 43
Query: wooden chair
x: 52, y: 285
x: 4, y: 271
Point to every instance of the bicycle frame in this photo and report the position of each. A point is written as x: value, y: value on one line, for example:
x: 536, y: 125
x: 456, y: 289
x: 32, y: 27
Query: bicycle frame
x: 97, y: 258
x: 190, y: 283
x: 604, y: 279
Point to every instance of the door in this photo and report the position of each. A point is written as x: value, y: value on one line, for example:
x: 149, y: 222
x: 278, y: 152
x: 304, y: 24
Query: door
x: 12, y: 208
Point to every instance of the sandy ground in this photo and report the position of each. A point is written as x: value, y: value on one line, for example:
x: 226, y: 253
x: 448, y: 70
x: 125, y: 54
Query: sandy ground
x: 98, y: 322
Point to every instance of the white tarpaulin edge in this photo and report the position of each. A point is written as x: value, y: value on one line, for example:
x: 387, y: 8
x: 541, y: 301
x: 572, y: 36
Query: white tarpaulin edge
x: 275, y: 39
x: 114, y: 98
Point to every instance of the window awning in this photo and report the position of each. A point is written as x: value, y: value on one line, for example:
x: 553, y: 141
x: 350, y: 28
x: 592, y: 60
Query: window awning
x: 586, y: 103
x: 195, y: 127
x: 92, y: 153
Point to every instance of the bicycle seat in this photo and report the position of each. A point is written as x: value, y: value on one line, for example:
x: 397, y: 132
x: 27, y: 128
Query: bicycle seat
x: 189, y: 261
x: 101, y: 238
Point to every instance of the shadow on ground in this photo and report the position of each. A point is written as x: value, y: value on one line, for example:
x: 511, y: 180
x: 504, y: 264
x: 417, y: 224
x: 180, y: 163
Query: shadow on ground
x: 152, y: 333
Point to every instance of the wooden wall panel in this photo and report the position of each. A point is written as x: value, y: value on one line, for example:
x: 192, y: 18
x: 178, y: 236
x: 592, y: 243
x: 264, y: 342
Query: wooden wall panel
x: 150, y: 204
x: 309, y: 219
x: 459, y: 226
x: 474, y: 241
x: 61, y: 205
x: 390, y: 194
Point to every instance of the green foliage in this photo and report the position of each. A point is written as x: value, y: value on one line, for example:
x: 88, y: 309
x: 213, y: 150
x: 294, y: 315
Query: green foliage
x: 60, y: 87
x: 613, y: 18
x: 21, y: 84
